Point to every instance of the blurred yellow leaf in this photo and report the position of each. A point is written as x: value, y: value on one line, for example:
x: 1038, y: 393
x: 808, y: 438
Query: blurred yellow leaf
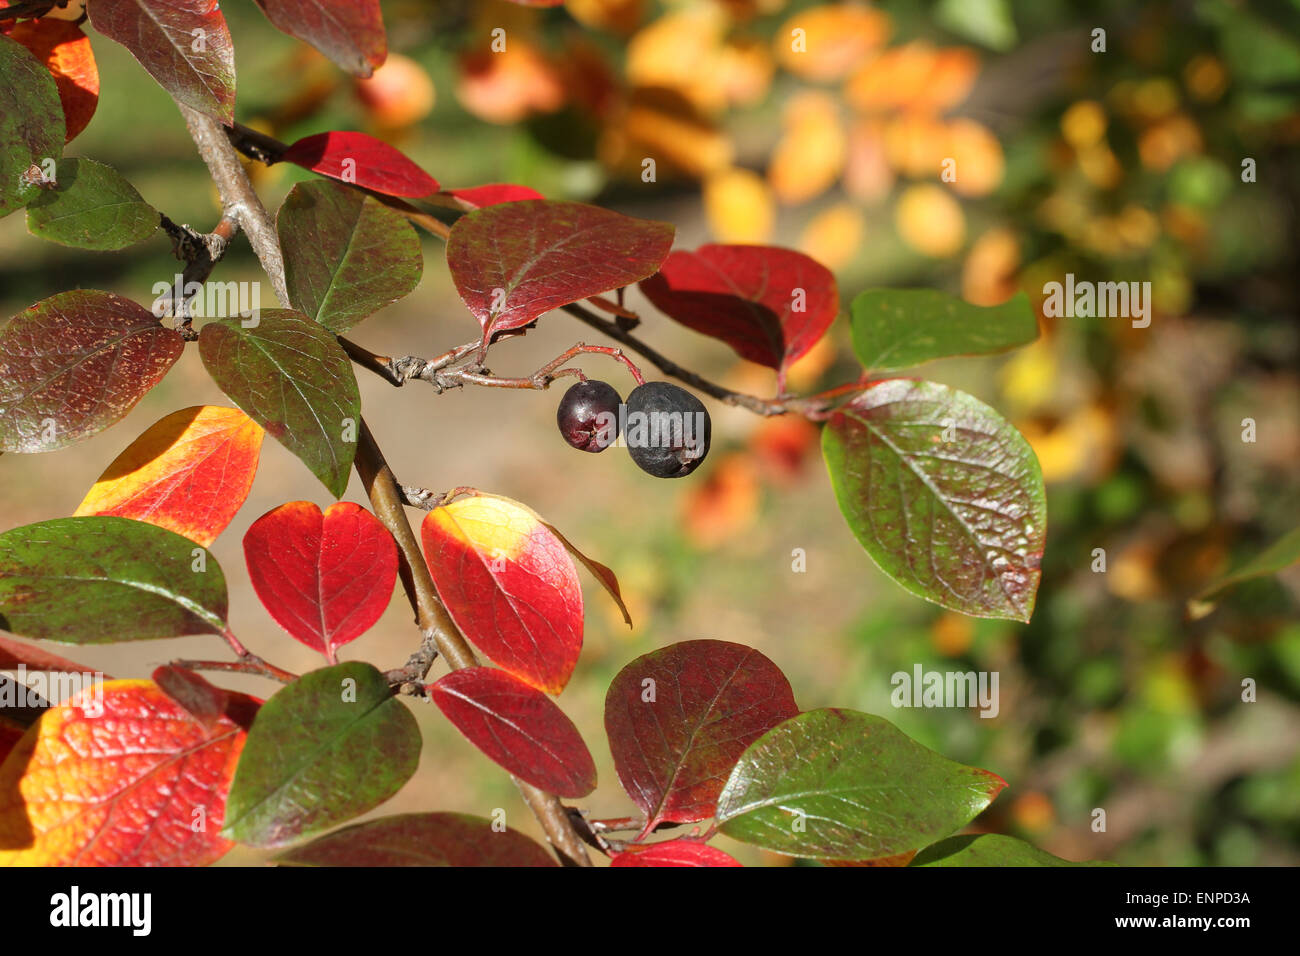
x: 834, y: 235
x: 1083, y: 446
x: 810, y: 154
x: 867, y: 173
x: 680, y: 51
x: 739, y: 206
x: 1028, y: 379
x: 1168, y: 141
x: 930, y: 220
x: 617, y: 16
x: 916, y: 144
x: 915, y: 77
x: 1084, y: 124
x: 978, y: 155
x: 988, y: 277
x: 745, y: 71
x: 824, y: 43
x: 663, y: 126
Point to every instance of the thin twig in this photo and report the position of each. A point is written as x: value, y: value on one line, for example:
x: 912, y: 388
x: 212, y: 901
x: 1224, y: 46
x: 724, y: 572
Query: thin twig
x: 200, y: 252
x: 439, y: 631
x: 249, y: 664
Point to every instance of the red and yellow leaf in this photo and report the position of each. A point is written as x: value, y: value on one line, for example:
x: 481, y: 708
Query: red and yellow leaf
x: 129, y: 780
x: 66, y: 53
x: 325, y: 578
x: 189, y: 472
x: 519, y: 727
x: 509, y: 584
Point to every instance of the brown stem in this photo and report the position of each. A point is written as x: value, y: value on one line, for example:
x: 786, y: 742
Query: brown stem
x: 440, y: 633
x: 247, y: 664
x: 200, y: 252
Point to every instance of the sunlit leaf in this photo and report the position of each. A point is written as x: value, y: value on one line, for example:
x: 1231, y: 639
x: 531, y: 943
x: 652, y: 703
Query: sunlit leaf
x: 189, y: 472
x: 943, y: 493
x: 519, y: 727
x: 346, y: 255
x: 98, y: 580
x: 120, y: 776
x: 74, y: 364
x: 899, y: 328
x: 31, y: 135
x: 842, y: 785
x: 66, y: 53
x: 673, y: 853
x: 293, y: 378
x: 328, y: 747
x: 493, y: 194
x: 990, y: 849
x: 91, y: 207
x: 509, y: 584
x: 325, y: 578
x: 362, y: 161
x: 183, y: 44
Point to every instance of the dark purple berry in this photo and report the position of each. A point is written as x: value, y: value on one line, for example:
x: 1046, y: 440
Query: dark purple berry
x: 588, y: 415
x: 667, y: 430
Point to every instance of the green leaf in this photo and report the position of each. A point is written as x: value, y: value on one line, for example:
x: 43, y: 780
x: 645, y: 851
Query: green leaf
x: 31, y: 122
x: 76, y: 363
x: 842, y: 785
x: 98, y: 580
x: 984, y: 21
x: 899, y: 328
x: 92, y: 207
x: 346, y: 256
x: 292, y: 377
x: 943, y: 493
x: 1282, y: 553
x: 990, y: 849
x: 329, y: 747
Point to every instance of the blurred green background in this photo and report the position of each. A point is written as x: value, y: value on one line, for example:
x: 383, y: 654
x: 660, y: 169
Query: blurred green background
x: 1123, y: 164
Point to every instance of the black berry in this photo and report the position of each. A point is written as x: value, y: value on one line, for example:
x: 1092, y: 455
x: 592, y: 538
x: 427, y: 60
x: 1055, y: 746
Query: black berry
x: 588, y: 415
x: 667, y: 430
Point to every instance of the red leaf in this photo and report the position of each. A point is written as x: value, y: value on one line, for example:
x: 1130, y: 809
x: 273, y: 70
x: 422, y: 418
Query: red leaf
x: 516, y: 261
x: 201, y: 699
x: 162, y: 35
x: 362, y: 161
x: 710, y: 700
x: 420, y: 839
x: 66, y: 53
x: 674, y: 853
x: 509, y: 584
x: 126, y: 780
x: 519, y: 727
x: 14, y: 652
x: 325, y: 578
x: 769, y: 304
x: 476, y: 197
x: 349, y: 32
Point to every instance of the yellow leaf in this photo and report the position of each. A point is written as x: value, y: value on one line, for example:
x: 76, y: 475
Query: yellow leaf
x: 739, y: 206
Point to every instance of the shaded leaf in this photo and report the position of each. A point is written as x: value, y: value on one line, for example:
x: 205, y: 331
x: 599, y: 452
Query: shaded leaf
x: 328, y: 747
x: 14, y: 653
x: 1282, y: 553
x: 990, y: 849
x: 515, y: 261
x: 769, y: 304
x: 32, y: 134
x: 420, y: 839
x: 183, y: 44
x: 66, y: 53
x: 843, y: 785
x: 325, y: 578
x: 293, y: 378
x: 493, y: 194
x: 674, y: 853
x: 74, y: 364
x: 91, y: 207
x: 349, y: 32
x: 189, y: 472
x: 121, y: 781
x: 99, y: 580
x: 362, y: 161
x: 943, y: 493
x: 711, y: 700
x: 510, y: 586
x: 518, y: 727
x: 198, y: 697
x: 899, y: 328
x: 346, y: 255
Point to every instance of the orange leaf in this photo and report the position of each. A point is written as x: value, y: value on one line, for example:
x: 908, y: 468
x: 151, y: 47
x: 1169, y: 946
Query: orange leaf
x: 120, y: 776
x: 824, y: 43
x: 188, y: 473
x: 66, y: 53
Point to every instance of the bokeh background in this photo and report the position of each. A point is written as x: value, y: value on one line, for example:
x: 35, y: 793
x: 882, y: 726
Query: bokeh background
x: 1116, y: 165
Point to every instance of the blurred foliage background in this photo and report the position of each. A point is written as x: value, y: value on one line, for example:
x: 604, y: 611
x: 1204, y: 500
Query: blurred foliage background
x: 1125, y: 164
